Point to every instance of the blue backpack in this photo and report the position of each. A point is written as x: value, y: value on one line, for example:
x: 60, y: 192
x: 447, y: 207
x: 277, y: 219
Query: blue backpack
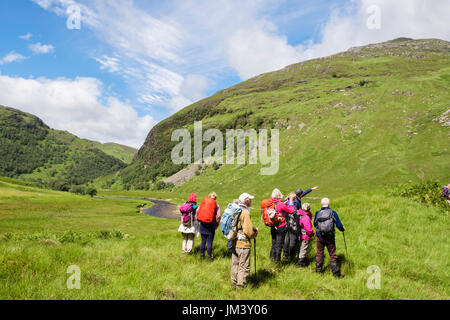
x: 229, y: 220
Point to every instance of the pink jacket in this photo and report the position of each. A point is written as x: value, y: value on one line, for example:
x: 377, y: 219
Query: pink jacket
x: 282, y: 209
x: 305, y: 224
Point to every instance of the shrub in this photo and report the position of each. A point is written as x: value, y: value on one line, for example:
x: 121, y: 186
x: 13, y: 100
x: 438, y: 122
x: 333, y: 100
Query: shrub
x: 78, y: 189
x: 90, y: 190
x: 160, y: 185
x: 428, y: 192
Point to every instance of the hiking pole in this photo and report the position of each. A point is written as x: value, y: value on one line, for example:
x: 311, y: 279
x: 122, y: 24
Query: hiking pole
x: 345, y: 243
x: 254, y: 241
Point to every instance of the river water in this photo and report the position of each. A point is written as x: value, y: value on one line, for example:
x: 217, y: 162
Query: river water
x: 160, y: 209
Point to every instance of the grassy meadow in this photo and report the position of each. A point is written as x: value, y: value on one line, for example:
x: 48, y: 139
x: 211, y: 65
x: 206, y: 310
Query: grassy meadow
x: 123, y: 254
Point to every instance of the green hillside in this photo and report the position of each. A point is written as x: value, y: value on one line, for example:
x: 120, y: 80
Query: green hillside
x: 30, y: 150
x: 119, y: 151
x: 369, y: 117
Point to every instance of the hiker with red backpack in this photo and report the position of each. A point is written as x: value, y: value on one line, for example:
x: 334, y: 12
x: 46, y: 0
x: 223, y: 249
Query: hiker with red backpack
x: 273, y: 212
x: 306, y: 233
x: 209, y: 217
x: 241, y: 243
x: 189, y: 224
x: 324, y: 221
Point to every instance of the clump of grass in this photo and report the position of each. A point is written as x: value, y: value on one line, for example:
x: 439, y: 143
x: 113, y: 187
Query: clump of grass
x: 68, y: 236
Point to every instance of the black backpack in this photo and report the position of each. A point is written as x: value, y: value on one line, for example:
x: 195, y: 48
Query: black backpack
x: 325, y: 222
x: 292, y: 223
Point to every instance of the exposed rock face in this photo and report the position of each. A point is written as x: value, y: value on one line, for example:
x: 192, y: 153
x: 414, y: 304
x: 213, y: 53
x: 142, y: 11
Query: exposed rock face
x: 183, y: 175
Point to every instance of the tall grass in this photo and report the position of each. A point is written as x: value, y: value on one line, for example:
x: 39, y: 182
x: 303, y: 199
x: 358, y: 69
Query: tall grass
x: 406, y: 239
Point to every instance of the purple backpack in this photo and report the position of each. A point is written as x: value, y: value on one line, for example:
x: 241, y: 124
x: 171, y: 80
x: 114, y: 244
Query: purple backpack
x: 445, y: 191
x: 186, y: 209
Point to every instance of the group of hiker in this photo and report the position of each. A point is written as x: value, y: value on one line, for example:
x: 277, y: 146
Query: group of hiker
x: 291, y: 228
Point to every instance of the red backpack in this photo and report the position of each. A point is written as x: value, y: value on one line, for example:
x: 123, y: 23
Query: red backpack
x: 269, y: 213
x: 207, y: 210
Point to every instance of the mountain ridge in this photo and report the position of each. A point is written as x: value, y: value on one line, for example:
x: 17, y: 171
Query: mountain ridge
x: 31, y: 150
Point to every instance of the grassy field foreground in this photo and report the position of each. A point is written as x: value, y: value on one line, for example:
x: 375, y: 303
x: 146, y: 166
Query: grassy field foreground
x: 123, y: 254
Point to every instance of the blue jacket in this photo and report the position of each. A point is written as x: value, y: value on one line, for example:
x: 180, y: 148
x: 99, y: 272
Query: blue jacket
x: 297, y: 202
x: 337, y: 221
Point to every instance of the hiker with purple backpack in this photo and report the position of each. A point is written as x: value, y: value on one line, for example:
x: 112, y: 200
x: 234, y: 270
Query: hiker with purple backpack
x: 446, y: 193
x: 189, y: 226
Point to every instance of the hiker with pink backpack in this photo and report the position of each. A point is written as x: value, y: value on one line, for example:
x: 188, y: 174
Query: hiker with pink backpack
x: 189, y: 226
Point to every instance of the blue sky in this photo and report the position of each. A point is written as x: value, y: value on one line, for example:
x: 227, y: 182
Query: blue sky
x: 134, y: 63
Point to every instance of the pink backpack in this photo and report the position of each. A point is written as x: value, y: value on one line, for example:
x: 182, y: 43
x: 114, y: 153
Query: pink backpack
x: 186, y: 210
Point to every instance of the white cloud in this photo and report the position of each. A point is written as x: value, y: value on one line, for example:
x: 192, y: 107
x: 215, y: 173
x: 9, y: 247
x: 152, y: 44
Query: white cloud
x: 111, y: 64
x: 416, y: 19
x: 78, y: 107
x: 158, y: 46
x: 258, y: 49
x: 39, y: 48
x: 11, y: 57
x: 26, y: 36
x: 192, y: 89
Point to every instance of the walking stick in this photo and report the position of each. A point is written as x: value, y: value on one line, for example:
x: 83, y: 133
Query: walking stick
x: 254, y: 241
x: 348, y: 260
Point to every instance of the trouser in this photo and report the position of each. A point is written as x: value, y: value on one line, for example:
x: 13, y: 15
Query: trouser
x: 188, y: 241
x: 303, y: 249
x: 278, y: 236
x: 289, y: 245
x: 321, y: 243
x: 207, y: 240
x: 240, y: 266
x: 273, y: 234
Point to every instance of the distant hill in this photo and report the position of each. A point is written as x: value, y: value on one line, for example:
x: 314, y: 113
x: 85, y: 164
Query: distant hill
x: 368, y: 117
x: 119, y: 151
x: 30, y: 150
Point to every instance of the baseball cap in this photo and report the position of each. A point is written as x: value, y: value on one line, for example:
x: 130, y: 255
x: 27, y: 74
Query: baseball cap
x: 245, y: 196
x: 299, y: 192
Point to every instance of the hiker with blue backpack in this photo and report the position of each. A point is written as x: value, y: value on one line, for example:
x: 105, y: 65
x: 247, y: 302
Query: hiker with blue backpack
x: 325, y: 221
x: 189, y: 226
x: 240, y: 232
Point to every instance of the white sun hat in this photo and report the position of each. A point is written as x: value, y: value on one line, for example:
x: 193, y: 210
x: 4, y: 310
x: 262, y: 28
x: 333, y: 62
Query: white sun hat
x: 245, y: 196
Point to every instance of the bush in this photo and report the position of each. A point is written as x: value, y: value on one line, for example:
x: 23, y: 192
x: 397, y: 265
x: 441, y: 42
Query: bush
x: 90, y: 190
x: 78, y: 190
x: 160, y: 185
x: 428, y: 192
x: 170, y: 185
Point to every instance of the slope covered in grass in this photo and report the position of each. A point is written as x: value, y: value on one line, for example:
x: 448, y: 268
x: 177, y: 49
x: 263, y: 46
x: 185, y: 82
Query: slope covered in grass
x: 44, y: 232
x: 31, y: 150
x: 369, y: 117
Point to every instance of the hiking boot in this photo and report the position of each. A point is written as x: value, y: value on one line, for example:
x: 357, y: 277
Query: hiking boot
x: 335, y: 268
x: 202, y: 256
x: 319, y: 265
x: 211, y: 258
x: 302, y: 263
